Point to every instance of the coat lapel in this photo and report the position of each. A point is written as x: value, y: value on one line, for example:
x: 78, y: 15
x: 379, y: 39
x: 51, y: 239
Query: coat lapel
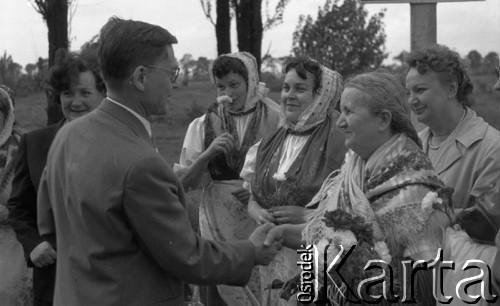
x: 447, y: 158
x: 127, y: 118
x: 470, y: 131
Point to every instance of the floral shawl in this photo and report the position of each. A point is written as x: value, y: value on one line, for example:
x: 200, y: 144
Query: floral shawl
x: 219, y: 120
x: 386, y: 190
x: 322, y: 153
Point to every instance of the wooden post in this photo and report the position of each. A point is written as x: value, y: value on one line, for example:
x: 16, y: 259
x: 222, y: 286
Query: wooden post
x: 423, y: 20
x: 423, y: 25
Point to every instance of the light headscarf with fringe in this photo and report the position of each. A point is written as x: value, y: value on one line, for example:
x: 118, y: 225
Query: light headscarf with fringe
x: 256, y: 90
x: 9, y: 142
x: 9, y: 119
x: 321, y: 107
x: 265, y: 116
x: 322, y: 153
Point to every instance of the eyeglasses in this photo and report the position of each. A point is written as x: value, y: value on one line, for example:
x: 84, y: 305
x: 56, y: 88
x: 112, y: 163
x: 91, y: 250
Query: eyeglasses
x: 175, y: 71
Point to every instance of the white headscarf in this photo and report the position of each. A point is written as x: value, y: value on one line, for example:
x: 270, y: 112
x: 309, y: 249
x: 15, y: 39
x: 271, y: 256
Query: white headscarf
x: 9, y: 120
x: 256, y: 90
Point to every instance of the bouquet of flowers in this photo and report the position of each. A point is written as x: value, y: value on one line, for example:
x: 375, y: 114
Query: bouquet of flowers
x: 345, y: 279
x: 287, y: 192
x: 439, y: 200
x: 225, y: 99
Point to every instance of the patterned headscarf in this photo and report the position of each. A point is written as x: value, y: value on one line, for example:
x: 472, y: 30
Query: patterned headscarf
x: 9, y: 142
x: 263, y: 120
x: 256, y: 90
x: 327, y: 96
x: 9, y: 118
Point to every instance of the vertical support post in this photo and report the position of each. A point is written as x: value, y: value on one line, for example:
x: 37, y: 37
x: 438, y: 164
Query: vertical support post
x: 423, y: 25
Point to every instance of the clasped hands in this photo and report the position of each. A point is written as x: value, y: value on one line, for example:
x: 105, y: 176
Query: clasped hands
x: 267, y: 241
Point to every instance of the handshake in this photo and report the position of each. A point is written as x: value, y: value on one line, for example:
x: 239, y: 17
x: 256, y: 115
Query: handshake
x: 267, y: 240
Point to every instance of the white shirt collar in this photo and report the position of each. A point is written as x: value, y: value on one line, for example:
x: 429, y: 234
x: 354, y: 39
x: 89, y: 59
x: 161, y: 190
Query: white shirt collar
x: 145, y: 122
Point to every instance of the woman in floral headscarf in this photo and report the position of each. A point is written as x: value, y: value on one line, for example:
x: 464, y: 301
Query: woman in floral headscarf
x: 286, y: 168
x: 15, y: 277
x: 214, y: 150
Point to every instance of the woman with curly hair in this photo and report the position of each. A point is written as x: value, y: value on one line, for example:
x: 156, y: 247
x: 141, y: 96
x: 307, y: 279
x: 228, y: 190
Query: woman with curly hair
x: 76, y: 79
x: 464, y: 150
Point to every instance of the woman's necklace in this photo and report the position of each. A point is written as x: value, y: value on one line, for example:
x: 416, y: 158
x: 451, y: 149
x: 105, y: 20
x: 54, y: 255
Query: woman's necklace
x: 436, y: 147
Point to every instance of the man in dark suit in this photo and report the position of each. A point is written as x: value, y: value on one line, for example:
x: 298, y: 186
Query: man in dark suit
x: 111, y: 204
x: 76, y: 79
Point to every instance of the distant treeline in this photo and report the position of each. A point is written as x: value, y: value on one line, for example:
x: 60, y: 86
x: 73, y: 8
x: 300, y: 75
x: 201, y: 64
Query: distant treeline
x: 32, y: 78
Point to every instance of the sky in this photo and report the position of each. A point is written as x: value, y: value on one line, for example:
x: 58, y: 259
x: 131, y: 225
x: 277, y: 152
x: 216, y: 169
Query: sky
x: 463, y: 26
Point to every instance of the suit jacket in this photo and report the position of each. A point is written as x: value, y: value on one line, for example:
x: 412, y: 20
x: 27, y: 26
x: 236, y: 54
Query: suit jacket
x: 116, y: 212
x: 29, y: 164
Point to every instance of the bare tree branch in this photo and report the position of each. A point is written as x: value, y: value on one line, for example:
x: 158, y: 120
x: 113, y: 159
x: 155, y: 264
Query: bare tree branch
x: 206, y: 5
x: 277, y: 18
x: 72, y: 6
x: 40, y: 6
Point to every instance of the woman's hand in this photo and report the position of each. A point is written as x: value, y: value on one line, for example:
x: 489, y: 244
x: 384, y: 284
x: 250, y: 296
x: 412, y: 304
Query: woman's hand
x: 224, y: 143
x: 43, y: 255
x: 259, y: 214
x: 242, y: 195
x: 288, y: 214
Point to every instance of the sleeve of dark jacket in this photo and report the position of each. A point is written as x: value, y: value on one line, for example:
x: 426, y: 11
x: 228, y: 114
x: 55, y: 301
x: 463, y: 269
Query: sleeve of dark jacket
x: 22, y: 204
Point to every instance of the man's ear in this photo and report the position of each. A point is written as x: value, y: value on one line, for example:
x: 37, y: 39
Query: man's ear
x: 139, y: 78
x: 385, y: 119
x: 452, y: 89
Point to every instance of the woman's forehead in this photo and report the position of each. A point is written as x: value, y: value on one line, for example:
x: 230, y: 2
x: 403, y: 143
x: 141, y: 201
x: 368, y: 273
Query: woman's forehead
x: 293, y: 77
x: 231, y: 76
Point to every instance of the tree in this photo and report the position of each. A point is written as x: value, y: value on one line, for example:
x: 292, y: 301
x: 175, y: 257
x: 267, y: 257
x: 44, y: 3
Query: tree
x: 249, y: 27
x: 30, y: 69
x: 401, y: 57
x: 55, y: 15
x: 187, y: 64
x: 10, y: 71
x: 475, y: 59
x: 490, y: 62
x: 201, y: 69
x: 222, y: 25
x: 249, y: 24
x: 342, y: 37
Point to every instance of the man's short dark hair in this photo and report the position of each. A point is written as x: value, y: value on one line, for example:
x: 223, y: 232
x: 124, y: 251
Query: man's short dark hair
x: 125, y: 44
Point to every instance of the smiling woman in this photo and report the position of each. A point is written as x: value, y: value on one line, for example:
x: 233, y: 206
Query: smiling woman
x: 464, y: 150
x: 75, y: 78
x: 77, y: 81
x: 287, y: 167
x: 212, y: 156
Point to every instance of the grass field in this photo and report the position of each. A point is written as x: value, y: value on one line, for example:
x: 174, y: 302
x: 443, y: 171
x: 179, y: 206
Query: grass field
x: 191, y: 101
